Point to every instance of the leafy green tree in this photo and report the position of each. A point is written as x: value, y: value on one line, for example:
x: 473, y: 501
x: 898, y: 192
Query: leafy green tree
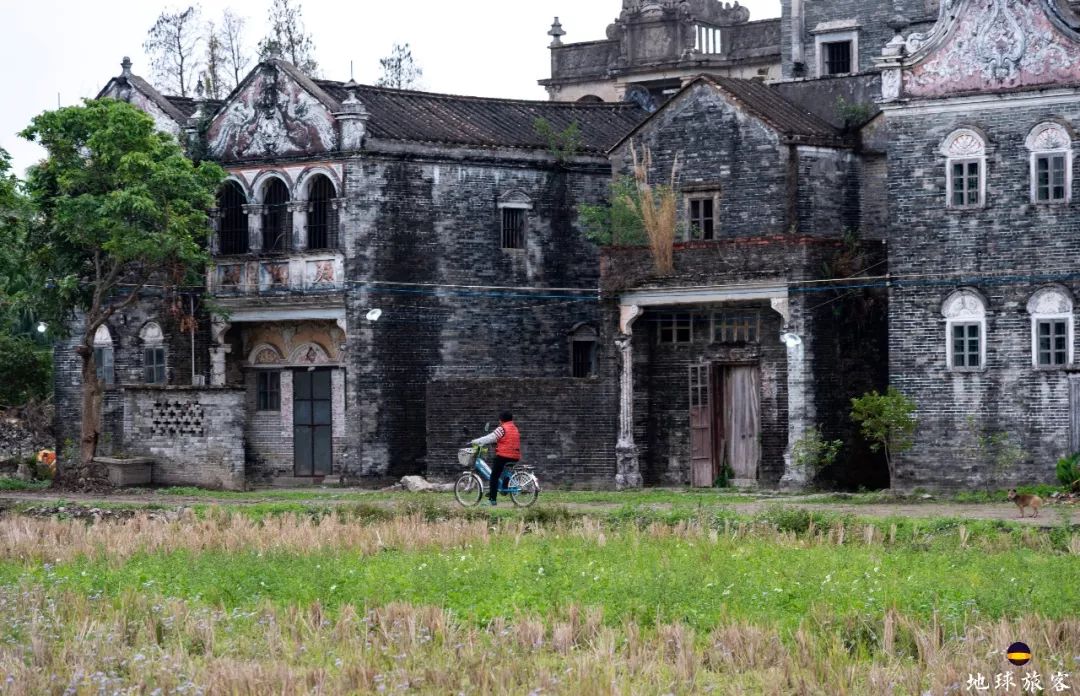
x: 887, y: 421
x: 25, y: 371
x: 617, y: 223
x: 119, y: 208
x: 399, y: 69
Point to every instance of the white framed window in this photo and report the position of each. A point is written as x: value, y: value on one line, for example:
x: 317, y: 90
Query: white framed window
x: 153, y: 354
x: 1051, y: 311
x: 836, y: 46
x: 965, y: 331
x: 103, y: 355
x: 965, y: 169
x: 514, y: 207
x: 1050, y: 146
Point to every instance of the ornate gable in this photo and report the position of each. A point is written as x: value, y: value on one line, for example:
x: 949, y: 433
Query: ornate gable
x: 273, y: 113
x: 984, y: 45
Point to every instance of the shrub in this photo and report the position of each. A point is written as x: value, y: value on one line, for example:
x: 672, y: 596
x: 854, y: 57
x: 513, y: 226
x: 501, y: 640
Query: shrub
x: 812, y: 453
x: 1068, y: 471
x: 887, y: 421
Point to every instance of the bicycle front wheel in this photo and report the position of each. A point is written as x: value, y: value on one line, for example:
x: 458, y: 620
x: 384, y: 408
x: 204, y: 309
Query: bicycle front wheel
x: 524, y: 489
x: 469, y: 489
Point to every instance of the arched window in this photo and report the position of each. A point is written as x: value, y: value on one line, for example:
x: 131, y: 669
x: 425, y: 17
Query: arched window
x: 233, y: 230
x: 583, y: 351
x: 965, y: 169
x: 1051, y: 311
x: 590, y: 99
x: 965, y: 327
x: 103, y: 355
x: 153, y: 354
x: 322, y: 218
x: 1051, y: 163
x: 277, y: 221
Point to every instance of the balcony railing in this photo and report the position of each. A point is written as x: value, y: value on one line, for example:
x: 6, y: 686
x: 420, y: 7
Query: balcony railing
x: 309, y: 273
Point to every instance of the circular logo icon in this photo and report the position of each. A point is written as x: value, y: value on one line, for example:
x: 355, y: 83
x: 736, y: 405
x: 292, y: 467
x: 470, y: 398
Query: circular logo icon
x: 1019, y: 654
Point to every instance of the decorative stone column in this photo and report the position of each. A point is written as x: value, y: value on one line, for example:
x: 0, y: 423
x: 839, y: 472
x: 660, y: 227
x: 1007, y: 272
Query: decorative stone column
x: 801, y: 412
x: 340, y: 207
x: 215, y: 231
x: 299, y: 210
x: 254, y: 212
x: 627, y: 463
x: 218, y: 351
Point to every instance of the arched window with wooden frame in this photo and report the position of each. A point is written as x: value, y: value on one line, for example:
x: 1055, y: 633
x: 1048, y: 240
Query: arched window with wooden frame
x: 233, y: 228
x: 277, y: 220
x: 322, y: 217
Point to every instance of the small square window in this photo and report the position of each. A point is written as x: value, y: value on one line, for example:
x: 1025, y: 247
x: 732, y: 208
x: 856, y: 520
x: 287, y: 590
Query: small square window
x: 702, y: 218
x: 837, y: 57
x: 513, y: 228
x: 966, y: 342
x: 154, y: 365
x: 1052, y: 342
x: 1050, y: 179
x: 269, y: 390
x: 676, y: 328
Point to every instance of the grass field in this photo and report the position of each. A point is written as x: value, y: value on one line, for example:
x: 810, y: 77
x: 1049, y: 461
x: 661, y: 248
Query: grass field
x: 420, y: 597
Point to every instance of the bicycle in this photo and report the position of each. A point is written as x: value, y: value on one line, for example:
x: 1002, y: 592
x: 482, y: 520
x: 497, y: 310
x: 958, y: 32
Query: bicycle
x: 518, y: 481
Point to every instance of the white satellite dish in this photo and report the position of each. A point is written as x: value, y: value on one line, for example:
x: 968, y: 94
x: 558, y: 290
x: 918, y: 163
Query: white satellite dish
x: 374, y: 315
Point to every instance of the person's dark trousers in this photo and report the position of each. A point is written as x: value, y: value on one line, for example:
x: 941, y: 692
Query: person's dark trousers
x: 497, y: 468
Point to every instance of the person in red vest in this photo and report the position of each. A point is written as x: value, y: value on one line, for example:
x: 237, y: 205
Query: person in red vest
x: 507, y: 441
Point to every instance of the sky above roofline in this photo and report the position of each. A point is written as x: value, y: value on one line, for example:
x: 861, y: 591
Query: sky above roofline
x: 60, y: 51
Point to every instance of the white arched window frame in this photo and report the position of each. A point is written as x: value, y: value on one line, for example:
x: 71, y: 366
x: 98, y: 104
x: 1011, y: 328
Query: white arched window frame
x: 103, y: 355
x: 1051, y: 163
x: 965, y: 331
x: 153, y: 340
x: 965, y: 169
x: 1051, y: 311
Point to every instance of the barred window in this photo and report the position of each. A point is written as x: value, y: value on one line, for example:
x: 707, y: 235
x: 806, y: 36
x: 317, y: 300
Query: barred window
x: 269, y: 390
x: 513, y: 228
x: 103, y: 355
x: 277, y: 222
x: 322, y: 218
x: 736, y: 327
x: 233, y: 229
x: 837, y: 57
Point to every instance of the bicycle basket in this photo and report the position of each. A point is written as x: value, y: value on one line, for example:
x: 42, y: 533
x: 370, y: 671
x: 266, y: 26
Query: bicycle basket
x: 466, y: 456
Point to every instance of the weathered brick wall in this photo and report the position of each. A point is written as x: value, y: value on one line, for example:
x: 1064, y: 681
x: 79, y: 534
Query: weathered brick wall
x: 434, y: 220
x: 194, y: 435
x: 1001, y: 250
x: 567, y: 425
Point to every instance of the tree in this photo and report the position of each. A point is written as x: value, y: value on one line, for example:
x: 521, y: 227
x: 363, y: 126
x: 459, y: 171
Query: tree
x: 399, y: 70
x: 288, y: 39
x: 888, y: 422
x: 119, y: 208
x: 616, y: 223
x: 216, y: 65
x: 232, y: 42
x: 173, y: 46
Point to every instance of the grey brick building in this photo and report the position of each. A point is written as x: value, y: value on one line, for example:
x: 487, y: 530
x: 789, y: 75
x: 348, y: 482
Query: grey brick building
x: 869, y: 193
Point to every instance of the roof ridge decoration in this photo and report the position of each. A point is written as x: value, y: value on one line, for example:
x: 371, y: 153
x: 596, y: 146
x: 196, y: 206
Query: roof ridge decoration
x: 982, y: 45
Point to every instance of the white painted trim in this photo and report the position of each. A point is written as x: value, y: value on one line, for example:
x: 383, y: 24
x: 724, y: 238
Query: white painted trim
x: 704, y: 294
x: 964, y: 321
x: 1035, y: 319
x: 851, y: 35
x: 1033, y: 176
x: 967, y: 104
x: 252, y: 315
x: 949, y: 162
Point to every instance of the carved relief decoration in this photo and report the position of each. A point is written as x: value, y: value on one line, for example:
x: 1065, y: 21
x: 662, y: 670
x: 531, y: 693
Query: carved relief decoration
x: 271, y: 115
x: 266, y: 355
x: 1047, y: 137
x: 964, y: 143
x: 1050, y: 301
x: 981, y: 45
x: 289, y: 343
x: 309, y: 354
x: 322, y: 273
x: 964, y: 304
x: 277, y: 274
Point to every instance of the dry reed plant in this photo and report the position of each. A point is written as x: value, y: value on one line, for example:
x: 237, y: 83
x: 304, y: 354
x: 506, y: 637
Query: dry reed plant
x: 657, y: 206
x: 70, y: 643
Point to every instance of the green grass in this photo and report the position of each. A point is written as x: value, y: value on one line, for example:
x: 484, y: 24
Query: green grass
x: 11, y: 484
x: 632, y: 576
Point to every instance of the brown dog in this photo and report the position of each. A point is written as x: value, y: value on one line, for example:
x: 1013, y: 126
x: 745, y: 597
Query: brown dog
x: 1025, y: 500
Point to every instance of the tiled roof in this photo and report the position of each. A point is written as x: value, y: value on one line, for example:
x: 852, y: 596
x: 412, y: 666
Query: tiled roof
x: 484, y: 122
x: 187, y: 105
x: 770, y: 106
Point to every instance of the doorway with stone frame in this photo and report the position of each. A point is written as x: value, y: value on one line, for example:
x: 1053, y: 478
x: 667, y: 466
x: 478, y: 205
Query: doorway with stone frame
x: 725, y: 423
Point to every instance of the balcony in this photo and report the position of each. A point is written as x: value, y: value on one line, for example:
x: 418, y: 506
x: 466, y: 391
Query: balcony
x: 309, y: 272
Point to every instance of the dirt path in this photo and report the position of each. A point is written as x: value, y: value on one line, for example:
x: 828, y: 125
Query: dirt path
x: 1052, y: 514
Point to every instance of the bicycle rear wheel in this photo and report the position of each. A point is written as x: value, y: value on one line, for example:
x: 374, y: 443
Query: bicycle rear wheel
x: 524, y: 489
x: 469, y: 489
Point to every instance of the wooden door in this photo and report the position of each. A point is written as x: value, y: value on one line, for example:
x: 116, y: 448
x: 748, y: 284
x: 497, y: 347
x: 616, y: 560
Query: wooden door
x: 312, y: 423
x: 742, y: 422
x: 702, y: 449
x: 1074, y: 413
